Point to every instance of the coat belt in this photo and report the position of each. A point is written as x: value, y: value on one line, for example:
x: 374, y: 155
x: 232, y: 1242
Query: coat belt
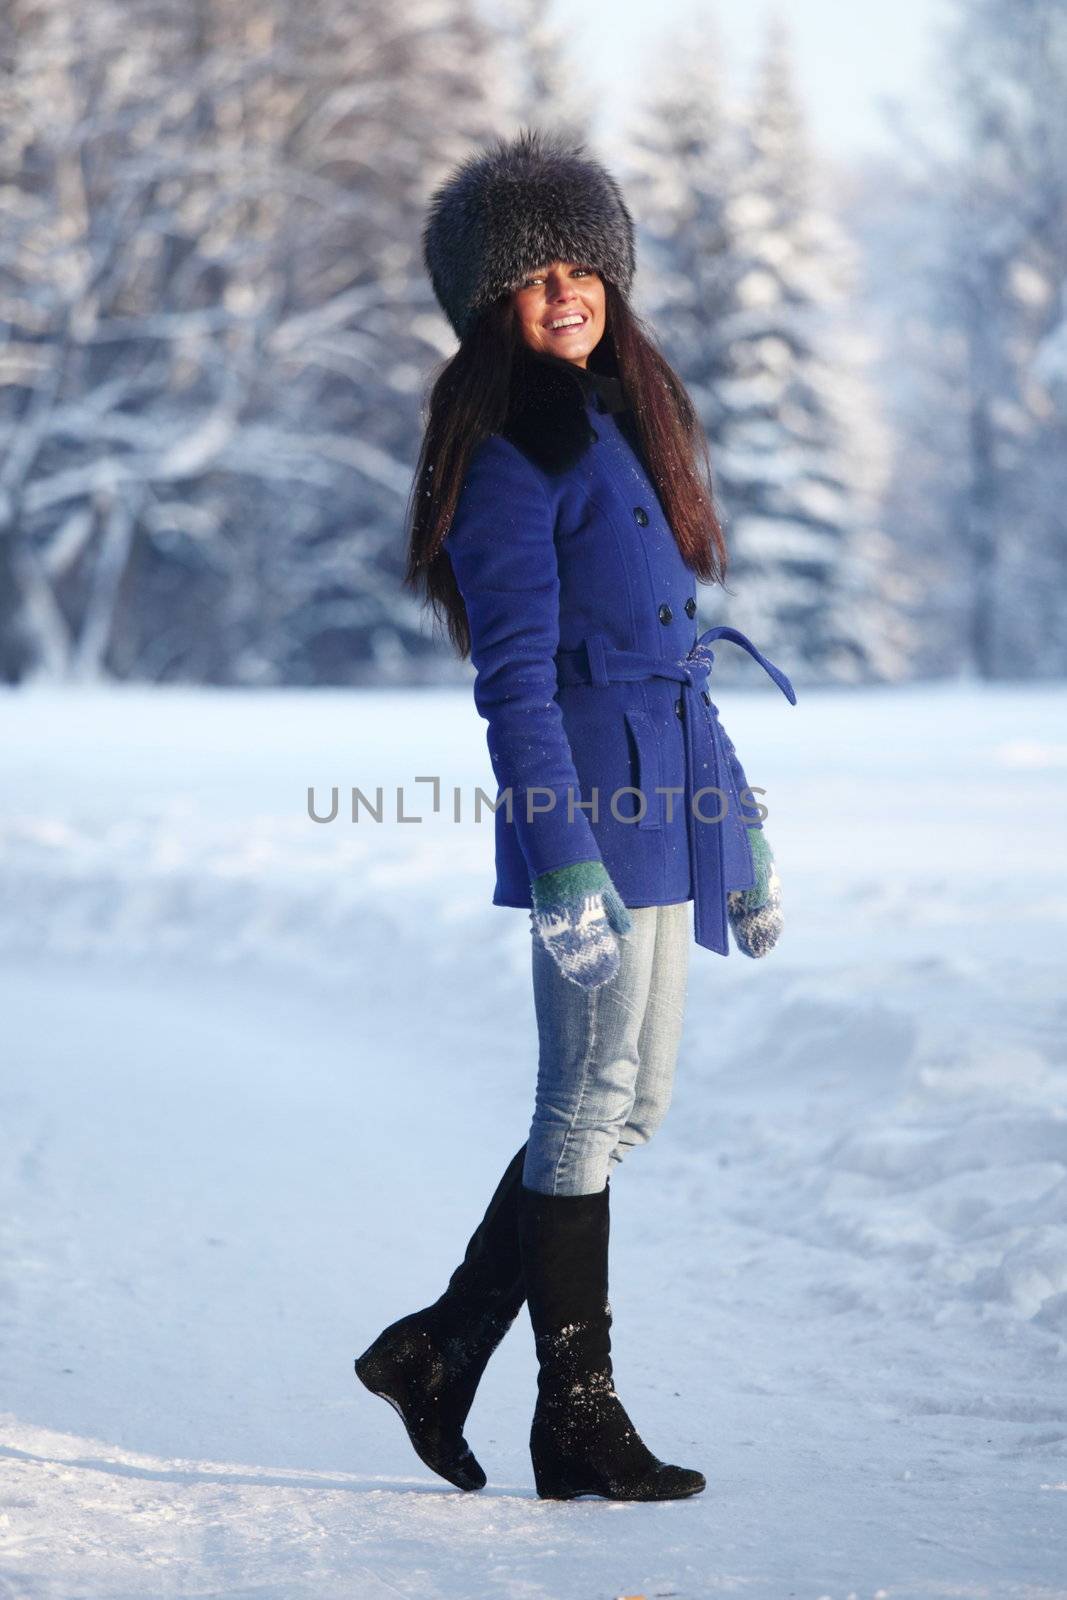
x: 715, y: 850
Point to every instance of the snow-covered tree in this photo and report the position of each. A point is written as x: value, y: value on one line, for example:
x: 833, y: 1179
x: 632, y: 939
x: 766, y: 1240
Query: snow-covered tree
x: 377, y: 106
x: 216, y: 327
x: 750, y: 284
x: 896, y: 222
x: 681, y: 163
x: 1003, y: 198
x: 95, y: 328
x: 541, y: 83
x: 803, y: 450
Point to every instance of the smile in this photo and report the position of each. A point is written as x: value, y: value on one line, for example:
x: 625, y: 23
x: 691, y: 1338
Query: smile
x: 567, y: 324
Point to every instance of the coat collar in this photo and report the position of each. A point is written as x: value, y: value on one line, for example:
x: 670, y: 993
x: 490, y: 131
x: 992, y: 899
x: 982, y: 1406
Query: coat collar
x: 548, y: 412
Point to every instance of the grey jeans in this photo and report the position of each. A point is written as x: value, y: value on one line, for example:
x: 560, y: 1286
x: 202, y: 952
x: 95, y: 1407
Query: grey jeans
x: 606, y: 1056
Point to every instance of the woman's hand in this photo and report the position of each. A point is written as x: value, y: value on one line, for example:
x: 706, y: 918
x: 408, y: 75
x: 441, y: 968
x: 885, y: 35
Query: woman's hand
x: 756, y: 914
x: 577, y: 914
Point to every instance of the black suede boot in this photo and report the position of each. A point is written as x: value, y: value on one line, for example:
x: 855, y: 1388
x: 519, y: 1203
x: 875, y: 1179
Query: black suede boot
x: 428, y: 1364
x: 581, y: 1439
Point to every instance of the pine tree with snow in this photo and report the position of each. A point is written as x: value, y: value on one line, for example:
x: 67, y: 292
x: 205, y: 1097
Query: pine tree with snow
x: 801, y: 447
x: 1003, y: 199
x: 539, y: 82
x: 679, y: 166
x: 747, y: 284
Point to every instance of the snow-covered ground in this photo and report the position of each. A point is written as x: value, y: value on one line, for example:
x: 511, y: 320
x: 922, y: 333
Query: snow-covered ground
x: 260, y: 1075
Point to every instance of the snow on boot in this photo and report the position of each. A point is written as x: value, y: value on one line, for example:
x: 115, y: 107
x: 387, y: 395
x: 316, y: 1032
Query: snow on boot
x: 582, y: 1440
x: 428, y: 1364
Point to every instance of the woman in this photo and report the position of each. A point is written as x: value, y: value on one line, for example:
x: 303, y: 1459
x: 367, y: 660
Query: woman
x: 559, y: 522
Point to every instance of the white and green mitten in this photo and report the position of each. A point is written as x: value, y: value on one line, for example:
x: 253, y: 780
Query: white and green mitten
x: 577, y: 914
x: 755, y: 914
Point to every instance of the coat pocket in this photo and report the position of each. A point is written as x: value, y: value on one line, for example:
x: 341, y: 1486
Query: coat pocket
x: 648, y: 767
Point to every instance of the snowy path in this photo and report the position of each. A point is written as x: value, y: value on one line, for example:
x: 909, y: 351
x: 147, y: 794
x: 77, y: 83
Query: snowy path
x: 253, y: 1103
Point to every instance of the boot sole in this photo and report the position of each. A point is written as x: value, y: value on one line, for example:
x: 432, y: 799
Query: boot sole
x: 562, y: 1493
x: 369, y: 1375
x: 562, y: 1489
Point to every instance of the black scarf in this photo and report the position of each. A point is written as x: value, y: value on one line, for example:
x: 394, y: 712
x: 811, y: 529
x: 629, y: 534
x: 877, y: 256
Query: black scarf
x: 547, y: 418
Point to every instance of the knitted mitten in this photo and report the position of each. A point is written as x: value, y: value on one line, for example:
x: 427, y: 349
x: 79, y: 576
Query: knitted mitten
x: 576, y: 914
x: 756, y: 914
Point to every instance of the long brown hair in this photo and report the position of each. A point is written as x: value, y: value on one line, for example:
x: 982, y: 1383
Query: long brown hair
x: 468, y: 400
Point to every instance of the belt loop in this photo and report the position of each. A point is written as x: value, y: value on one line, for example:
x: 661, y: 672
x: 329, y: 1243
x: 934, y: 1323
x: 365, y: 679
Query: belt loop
x: 594, y: 649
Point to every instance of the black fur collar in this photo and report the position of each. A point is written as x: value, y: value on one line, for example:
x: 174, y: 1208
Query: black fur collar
x: 547, y: 417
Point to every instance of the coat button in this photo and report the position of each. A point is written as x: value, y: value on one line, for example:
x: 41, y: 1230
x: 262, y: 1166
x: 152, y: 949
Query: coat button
x: 665, y: 612
x: 642, y: 516
x: 690, y: 607
x: 678, y: 708
x: 705, y: 696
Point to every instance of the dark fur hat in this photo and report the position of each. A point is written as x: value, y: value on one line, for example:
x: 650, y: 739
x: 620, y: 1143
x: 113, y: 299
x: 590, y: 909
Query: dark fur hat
x: 518, y: 205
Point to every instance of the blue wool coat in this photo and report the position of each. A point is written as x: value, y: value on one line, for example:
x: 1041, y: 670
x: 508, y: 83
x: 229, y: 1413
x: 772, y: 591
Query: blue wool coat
x: 589, y: 669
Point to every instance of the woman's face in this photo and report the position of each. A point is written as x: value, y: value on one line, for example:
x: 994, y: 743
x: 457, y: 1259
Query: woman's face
x: 561, y: 293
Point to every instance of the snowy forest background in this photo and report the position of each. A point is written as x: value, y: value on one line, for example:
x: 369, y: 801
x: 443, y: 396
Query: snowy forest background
x: 216, y: 333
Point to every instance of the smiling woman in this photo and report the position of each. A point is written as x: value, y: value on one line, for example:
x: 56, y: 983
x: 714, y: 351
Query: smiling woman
x: 562, y: 307
x: 561, y: 514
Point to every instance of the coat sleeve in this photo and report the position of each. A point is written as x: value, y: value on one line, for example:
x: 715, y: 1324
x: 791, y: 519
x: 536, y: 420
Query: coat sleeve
x: 503, y: 555
x: 749, y: 814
